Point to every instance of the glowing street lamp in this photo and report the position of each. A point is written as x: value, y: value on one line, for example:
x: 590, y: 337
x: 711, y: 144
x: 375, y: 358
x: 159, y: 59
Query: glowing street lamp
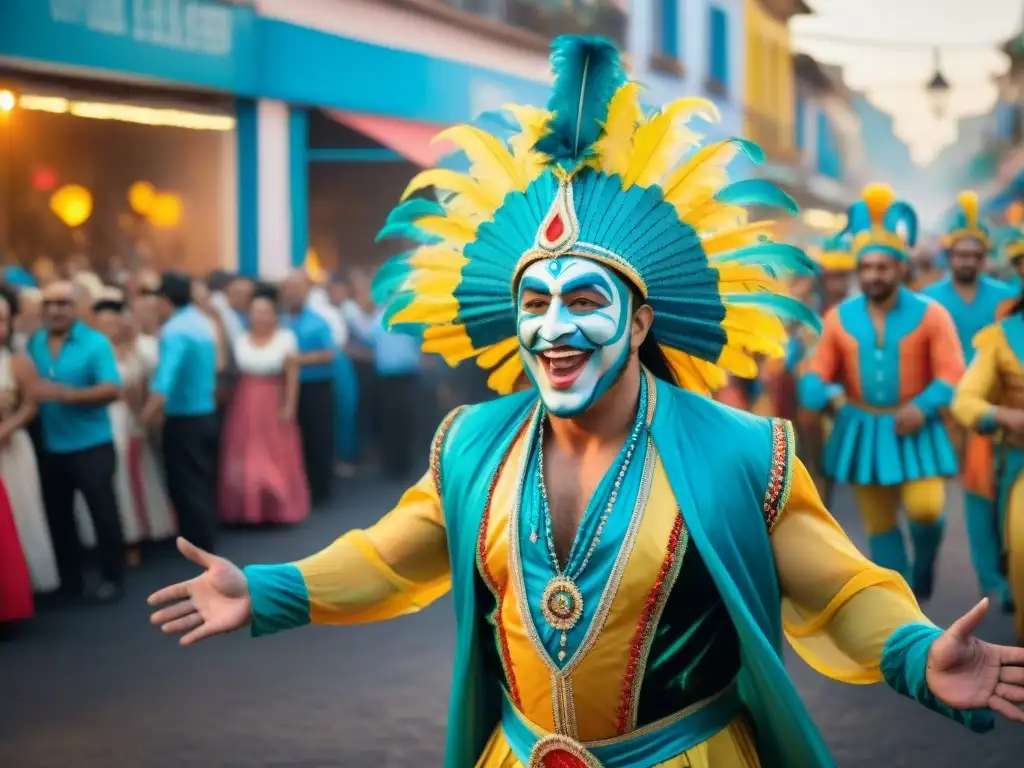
x: 938, y: 89
x: 7, y: 101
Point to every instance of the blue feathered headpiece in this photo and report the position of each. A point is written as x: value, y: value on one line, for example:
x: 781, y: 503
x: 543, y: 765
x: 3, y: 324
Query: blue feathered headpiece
x: 967, y: 222
x: 595, y: 175
x: 878, y: 222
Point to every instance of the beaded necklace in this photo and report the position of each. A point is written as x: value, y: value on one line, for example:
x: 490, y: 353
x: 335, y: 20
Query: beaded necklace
x: 562, y: 601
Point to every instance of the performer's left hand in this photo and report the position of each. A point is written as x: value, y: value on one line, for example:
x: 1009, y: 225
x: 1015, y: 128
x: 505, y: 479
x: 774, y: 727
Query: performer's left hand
x: 909, y: 419
x: 967, y: 673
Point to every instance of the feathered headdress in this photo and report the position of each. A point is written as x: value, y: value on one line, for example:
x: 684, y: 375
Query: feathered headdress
x: 834, y: 254
x: 594, y: 175
x: 878, y: 222
x: 966, y: 222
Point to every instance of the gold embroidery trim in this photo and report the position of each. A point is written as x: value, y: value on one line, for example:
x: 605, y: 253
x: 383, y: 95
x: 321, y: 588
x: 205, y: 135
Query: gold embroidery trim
x: 780, y: 475
x: 437, y: 444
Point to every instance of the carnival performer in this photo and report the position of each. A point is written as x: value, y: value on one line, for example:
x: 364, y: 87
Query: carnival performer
x: 624, y: 555
x: 885, y: 366
x: 262, y: 479
x: 990, y: 400
x: 972, y: 299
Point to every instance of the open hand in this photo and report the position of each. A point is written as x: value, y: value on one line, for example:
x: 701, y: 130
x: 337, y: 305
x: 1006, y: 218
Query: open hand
x: 967, y: 673
x: 213, y: 603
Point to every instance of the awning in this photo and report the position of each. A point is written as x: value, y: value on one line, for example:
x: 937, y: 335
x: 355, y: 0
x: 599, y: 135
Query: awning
x: 409, y: 138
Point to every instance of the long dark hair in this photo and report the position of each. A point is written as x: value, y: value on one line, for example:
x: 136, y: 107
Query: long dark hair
x: 650, y: 354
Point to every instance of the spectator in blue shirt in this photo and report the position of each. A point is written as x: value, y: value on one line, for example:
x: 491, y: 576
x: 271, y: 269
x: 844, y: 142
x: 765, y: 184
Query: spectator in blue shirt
x: 398, y: 362
x: 316, y: 383
x: 78, y: 379
x: 183, y: 394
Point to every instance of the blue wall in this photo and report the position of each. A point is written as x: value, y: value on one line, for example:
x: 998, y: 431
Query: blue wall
x: 694, y: 30
x: 888, y: 157
x: 231, y: 49
x: 829, y: 160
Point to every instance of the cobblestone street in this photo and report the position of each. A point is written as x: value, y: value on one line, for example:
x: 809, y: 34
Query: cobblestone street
x: 99, y: 688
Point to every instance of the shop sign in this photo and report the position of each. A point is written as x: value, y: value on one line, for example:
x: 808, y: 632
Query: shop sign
x: 184, y: 25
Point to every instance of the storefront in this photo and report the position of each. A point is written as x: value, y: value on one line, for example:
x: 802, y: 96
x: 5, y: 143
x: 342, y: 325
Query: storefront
x: 252, y: 91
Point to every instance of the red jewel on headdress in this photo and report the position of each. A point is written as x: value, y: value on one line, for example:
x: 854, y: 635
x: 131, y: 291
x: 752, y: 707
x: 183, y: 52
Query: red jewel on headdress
x: 555, y: 228
x: 562, y: 759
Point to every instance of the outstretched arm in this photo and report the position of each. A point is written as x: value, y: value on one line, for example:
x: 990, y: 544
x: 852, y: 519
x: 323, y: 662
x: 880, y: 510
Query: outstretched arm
x: 397, y: 566
x: 856, y: 622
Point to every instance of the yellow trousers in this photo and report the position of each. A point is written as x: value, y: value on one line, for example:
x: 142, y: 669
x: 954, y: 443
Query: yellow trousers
x: 923, y: 501
x: 879, y: 505
x: 1014, y: 533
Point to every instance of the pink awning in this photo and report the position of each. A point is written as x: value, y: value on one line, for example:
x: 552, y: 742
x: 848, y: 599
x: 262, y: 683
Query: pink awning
x: 409, y: 138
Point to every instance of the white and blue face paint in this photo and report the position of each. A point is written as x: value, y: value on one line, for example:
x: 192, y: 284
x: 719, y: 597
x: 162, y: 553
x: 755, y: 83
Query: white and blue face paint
x: 574, y: 331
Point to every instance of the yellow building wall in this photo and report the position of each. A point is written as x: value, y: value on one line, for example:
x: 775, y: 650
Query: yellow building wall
x: 770, y: 84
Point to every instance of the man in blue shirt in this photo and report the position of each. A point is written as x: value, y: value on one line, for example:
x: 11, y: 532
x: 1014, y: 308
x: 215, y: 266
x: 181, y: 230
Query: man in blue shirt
x: 397, y: 360
x: 183, y: 394
x: 316, y: 383
x: 78, y: 379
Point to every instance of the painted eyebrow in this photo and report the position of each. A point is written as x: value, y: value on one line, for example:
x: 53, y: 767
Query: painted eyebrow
x: 589, y: 282
x: 530, y: 283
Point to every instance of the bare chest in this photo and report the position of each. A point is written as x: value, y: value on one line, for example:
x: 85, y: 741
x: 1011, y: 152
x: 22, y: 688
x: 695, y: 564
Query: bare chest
x: 571, y: 483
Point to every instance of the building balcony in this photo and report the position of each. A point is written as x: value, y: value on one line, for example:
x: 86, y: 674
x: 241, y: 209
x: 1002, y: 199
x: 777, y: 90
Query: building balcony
x: 528, y: 23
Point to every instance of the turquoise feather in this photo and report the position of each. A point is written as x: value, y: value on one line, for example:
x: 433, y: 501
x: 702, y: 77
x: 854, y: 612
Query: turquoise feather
x: 407, y: 231
x: 414, y: 208
x: 757, y: 192
x: 781, y: 256
x: 785, y: 307
x: 588, y: 72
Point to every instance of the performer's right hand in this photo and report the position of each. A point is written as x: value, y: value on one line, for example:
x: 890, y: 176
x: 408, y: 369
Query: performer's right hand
x: 213, y: 603
x: 1011, y: 419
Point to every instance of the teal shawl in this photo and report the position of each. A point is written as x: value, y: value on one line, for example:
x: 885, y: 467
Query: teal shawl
x: 720, y: 485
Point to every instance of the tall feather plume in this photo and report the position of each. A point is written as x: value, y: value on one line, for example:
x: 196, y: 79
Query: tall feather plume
x: 968, y: 202
x: 588, y: 72
x: 624, y: 113
x: 532, y: 125
x: 658, y: 141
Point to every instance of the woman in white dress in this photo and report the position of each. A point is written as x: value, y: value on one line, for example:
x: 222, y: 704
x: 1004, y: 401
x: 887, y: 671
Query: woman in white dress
x: 18, y: 466
x: 141, y: 496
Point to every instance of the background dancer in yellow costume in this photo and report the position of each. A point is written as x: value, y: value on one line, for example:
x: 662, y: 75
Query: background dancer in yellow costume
x: 624, y: 555
x: 990, y: 399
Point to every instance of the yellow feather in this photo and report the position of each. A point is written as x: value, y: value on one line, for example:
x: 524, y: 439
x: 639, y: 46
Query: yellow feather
x: 706, y: 167
x: 454, y: 229
x: 737, y: 237
x: 428, y: 309
x: 968, y: 202
x: 692, y: 373
x: 462, y: 185
x: 451, y: 342
x: 440, y: 258
x: 491, y: 162
x: 503, y: 379
x: 878, y: 197
x: 533, y: 123
x: 624, y: 113
x: 738, y: 362
x: 494, y: 354
x: 658, y: 142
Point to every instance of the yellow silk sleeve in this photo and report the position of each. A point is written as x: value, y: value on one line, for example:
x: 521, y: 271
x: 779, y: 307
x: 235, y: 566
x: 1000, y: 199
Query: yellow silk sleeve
x: 973, y: 399
x: 838, y: 607
x: 397, y: 566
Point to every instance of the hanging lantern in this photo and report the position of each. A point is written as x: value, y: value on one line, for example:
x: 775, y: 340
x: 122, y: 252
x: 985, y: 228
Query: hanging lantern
x: 44, y: 179
x: 140, y: 197
x: 938, y: 88
x: 72, y: 204
x: 313, y: 269
x: 165, y: 211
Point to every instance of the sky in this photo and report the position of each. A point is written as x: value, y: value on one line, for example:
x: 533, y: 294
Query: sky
x: 893, y: 76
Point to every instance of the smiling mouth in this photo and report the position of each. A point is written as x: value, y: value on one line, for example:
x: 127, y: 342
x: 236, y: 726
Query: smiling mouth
x: 563, y: 365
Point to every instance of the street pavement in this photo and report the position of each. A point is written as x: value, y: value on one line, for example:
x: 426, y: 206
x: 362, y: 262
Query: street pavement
x: 97, y: 687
